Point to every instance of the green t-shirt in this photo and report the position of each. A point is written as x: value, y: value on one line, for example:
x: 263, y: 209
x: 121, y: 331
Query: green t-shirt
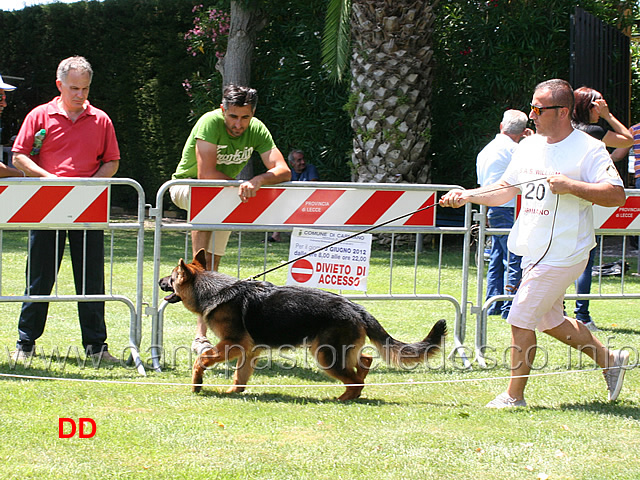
x: 233, y: 152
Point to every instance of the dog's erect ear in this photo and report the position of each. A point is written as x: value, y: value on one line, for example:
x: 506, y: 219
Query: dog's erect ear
x: 184, y: 268
x: 201, y: 259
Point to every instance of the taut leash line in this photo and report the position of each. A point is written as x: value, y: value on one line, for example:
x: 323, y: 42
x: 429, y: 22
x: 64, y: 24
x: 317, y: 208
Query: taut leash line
x: 272, y: 269
x: 342, y: 240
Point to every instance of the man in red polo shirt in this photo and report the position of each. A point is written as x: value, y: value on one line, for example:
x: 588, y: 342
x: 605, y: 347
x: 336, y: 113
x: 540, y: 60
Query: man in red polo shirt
x: 67, y: 137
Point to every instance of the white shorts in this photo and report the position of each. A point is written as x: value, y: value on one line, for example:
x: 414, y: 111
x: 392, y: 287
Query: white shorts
x: 219, y: 239
x: 538, y: 303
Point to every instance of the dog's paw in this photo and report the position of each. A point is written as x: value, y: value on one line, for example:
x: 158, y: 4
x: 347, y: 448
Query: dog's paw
x: 235, y: 389
x: 196, y: 382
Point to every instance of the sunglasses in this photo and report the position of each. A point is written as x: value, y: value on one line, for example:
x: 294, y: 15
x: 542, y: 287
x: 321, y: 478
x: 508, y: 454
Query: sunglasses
x: 538, y: 110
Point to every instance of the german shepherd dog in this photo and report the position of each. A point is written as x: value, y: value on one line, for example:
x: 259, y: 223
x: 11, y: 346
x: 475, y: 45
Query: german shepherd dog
x: 249, y: 316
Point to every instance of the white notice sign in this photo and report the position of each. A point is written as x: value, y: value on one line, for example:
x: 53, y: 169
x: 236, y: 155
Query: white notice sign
x: 343, y: 266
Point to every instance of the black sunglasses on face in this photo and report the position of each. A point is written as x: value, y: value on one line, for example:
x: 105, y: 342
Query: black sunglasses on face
x: 538, y: 110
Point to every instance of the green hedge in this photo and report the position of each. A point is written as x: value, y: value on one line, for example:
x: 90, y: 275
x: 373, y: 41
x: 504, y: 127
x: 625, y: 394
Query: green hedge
x: 139, y: 62
x: 139, y: 57
x: 489, y: 56
x: 298, y: 102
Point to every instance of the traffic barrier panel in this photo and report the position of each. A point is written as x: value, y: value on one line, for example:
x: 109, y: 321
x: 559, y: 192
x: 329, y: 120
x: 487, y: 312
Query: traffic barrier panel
x: 311, y: 207
x: 75, y: 204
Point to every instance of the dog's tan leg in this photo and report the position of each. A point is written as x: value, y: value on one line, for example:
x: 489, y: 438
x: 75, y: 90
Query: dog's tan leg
x: 242, y: 374
x: 361, y: 372
x: 352, y: 374
x: 352, y: 391
x: 364, y: 364
x: 222, y: 352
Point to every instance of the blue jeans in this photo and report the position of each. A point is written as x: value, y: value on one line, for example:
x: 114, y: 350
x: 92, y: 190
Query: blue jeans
x: 41, y: 272
x: 503, y: 273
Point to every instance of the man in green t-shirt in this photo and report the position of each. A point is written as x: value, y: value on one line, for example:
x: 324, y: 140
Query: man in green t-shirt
x: 218, y: 148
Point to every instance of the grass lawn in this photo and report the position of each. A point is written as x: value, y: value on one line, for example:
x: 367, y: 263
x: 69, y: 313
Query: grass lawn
x: 429, y: 422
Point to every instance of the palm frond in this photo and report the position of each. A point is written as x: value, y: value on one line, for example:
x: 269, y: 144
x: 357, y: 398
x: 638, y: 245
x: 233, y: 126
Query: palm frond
x: 336, y: 39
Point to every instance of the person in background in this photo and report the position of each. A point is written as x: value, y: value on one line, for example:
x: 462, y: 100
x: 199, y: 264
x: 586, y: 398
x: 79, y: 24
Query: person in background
x: 77, y: 140
x: 301, y: 171
x: 561, y: 173
x: 635, y: 133
x: 5, y: 170
x: 4, y: 87
x: 503, y: 272
x: 631, y: 156
x: 589, y: 108
x: 219, y: 146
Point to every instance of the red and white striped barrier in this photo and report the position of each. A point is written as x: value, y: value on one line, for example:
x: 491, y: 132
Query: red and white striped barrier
x: 57, y: 204
x: 311, y: 206
x: 626, y: 217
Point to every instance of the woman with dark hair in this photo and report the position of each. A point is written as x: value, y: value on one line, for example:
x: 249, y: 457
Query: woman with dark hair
x: 589, y: 108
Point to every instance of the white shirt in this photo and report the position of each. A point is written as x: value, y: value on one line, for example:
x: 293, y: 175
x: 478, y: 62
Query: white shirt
x: 556, y: 229
x: 493, y: 160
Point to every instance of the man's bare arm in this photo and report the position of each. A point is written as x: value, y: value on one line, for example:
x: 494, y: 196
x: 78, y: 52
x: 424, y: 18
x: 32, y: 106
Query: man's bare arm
x: 492, y: 195
x: 277, y: 172
x: 603, y: 194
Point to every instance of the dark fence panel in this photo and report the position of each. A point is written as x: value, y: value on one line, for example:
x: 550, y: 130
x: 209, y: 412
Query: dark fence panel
x: 600, y: 59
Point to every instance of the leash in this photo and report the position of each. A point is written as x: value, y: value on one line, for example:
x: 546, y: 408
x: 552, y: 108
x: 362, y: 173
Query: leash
x: 366, y: 230
x: 553, y: 226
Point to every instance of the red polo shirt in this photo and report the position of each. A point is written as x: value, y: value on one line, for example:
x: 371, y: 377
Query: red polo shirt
x: 70, y: 149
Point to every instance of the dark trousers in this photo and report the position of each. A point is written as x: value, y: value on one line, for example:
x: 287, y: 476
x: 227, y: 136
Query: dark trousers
x: 88, y: 276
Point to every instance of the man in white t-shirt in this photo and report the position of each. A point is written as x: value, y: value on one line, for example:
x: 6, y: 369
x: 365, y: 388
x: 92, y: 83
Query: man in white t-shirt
x: 561, y: 172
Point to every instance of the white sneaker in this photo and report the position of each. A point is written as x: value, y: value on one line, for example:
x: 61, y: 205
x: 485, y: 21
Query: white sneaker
x: 505, y: 401
x: 591, y: 325
x: 614, y: 376
x: 201, y: 344
x: 21, y: 355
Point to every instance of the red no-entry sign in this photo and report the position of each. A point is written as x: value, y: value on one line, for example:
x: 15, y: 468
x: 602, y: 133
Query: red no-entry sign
x: 301, y: 270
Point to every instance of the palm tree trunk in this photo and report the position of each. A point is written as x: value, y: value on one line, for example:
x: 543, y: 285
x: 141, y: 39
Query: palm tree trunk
x: 391, y: 90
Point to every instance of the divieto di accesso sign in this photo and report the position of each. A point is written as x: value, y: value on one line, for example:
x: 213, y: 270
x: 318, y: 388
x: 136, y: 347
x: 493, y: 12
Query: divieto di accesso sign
x: 344, y: 266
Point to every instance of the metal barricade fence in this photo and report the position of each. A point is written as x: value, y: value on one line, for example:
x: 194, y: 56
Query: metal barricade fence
x: 84, y: 204
x: 75, y: 204
x: 352, y: 207
x: 621, y: 222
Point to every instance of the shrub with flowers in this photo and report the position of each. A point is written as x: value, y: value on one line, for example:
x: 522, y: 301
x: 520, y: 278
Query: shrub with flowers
x: 209, y: 33
x: 207, y: 40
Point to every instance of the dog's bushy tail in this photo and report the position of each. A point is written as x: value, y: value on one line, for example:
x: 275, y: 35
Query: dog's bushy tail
x: 400, y: 354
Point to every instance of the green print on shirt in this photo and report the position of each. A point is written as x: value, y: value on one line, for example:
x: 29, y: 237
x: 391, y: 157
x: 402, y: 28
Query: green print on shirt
x: 239, y: 157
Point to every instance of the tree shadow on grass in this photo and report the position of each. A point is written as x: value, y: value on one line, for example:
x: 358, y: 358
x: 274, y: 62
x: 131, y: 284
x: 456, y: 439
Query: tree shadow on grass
x: 620, y: 409
x: 620, y: 331
x: 283, y: 397
x: 21, y: 372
